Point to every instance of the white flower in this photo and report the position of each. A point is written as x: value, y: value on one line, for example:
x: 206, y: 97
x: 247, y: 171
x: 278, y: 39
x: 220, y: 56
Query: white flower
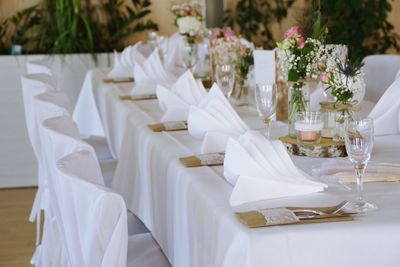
x: 189, y: 25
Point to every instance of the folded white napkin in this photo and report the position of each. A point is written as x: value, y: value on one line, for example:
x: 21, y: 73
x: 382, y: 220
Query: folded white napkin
x: 262, y: 169
x: 174, y: 51
x: 124, y: 63
x: 386, y: 112
x: 151, y: 73
x: 214, y: 120
x: 176, y: 102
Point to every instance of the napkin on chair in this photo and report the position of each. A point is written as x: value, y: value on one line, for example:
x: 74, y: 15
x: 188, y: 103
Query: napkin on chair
x: 262, y: 169
x: 151, y: 73
x: 176, y: 102
x: 124, y: 63
x: 386, y: 112
x: 214, y: 120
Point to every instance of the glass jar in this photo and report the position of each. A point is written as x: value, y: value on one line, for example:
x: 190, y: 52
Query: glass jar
x: 309, y: 126
x: 299, y: 98
x: 328, y: 113
x: 342, y: 114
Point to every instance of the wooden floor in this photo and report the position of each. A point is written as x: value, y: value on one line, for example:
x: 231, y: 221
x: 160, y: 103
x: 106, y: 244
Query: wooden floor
x: 17, y: 234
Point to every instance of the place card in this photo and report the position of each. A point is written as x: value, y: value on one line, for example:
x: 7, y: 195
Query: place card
x: 119, y: 80
x: 169, y: 126
x: 138, y: 97
x: 379, y: 178
x: 210, y: 159
x: 284, y: 216
x: 264, y: 66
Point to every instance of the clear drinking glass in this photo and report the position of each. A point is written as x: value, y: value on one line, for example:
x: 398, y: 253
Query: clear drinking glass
x: 359, y: 139
x: 266, y: 97
x: 225, y: 76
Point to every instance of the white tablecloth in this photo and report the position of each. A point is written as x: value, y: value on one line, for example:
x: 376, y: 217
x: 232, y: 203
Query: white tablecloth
x: 188, y: 211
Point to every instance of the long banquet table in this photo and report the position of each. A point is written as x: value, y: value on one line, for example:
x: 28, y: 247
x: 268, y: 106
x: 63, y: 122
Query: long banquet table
x: 188, y: 211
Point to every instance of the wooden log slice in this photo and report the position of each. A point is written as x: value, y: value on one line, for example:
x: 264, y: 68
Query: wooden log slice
x: 326, y: 149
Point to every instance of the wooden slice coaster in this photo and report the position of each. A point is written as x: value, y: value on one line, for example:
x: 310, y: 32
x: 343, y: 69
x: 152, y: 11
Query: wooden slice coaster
x: 327, y: 148
x: 119, y: 80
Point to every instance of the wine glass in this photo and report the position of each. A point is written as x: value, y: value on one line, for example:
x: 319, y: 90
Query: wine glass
x: 225, y: 76
x: 359, y: 139
x: 266, y: 98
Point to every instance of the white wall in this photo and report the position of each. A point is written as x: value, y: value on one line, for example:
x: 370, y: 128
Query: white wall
x: 17, y: 161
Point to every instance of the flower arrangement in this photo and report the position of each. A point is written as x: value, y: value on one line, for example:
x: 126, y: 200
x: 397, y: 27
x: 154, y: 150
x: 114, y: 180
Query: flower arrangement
x: 188, y: 18
x: 343, y: 80
x: 224, y: 46
x: 299, y: 54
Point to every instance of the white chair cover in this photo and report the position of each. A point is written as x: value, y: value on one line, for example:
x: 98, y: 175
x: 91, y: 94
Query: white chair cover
x: 380, y: 72
x: 93, y: 219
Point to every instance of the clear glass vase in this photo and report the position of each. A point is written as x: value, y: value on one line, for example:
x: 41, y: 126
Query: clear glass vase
x: 340, y: 118
x: 241, y: 92
x: 190, y: 58
x: 299, y: 98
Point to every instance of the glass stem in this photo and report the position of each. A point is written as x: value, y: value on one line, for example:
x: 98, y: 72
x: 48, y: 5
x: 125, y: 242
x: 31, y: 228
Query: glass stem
x: 267, y: 123
x: 360, y: 168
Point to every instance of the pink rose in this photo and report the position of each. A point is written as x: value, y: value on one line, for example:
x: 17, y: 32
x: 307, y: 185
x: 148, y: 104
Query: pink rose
x: 228, y: 33
x: 301, y: 42
x: 215, y: 33
x: 292, y: 32
x: 325, y: 76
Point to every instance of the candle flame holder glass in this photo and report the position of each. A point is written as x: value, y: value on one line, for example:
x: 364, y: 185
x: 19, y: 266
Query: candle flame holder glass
x: 309, y: 126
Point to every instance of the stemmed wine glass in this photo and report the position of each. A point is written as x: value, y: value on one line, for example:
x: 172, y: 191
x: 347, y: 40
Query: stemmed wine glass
x: 266, y: 98
x: 225, y: 76
x: 359, y: 139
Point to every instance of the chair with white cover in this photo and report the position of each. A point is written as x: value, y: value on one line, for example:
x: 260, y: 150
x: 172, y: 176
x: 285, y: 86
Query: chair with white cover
x: 380, y: 72
x: 92, y: 219
x: 94, y: 222
x: 33, y: 85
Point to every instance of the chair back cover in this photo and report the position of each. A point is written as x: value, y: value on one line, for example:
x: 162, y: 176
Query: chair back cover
x: 33, y: 85
x: 380, y: 72
x: 93, y: 219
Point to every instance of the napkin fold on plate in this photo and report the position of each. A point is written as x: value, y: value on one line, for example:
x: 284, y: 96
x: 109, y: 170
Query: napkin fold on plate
x: 262, y: 169
x: 175, y: 102
x: 386, y: 113
x: 214, y: 120
x: 124, y: 63
x: 174, y: 52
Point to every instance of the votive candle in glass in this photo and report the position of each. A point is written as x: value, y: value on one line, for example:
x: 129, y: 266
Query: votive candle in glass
x: 308, y: 126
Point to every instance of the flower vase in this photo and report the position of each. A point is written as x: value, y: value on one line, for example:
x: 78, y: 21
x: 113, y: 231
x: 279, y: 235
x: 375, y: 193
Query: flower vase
x: 299, y: 98
x: 191, y: 54
x: 342, y: 115
x: 241, y: 92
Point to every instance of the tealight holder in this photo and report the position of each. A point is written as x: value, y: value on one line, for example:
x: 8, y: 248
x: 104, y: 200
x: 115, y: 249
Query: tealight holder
x: 308, y: 126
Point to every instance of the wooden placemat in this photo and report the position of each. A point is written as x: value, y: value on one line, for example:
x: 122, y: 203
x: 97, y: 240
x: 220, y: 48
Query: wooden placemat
x: 119, y: 80
x: 210, y: 159
x: 255, y: 219
x: 327, y: 148
x: 138, y: 97
x: 169, y: 126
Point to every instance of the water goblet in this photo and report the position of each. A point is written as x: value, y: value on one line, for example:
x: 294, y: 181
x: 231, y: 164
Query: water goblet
x: 225, y: 76
x: 266, y: 97
x: 359, y: 140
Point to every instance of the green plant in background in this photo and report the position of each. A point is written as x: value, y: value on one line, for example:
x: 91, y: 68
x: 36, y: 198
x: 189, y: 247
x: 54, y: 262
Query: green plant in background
x: 360, y: 24
x: 75, y: 26
x: 121, y: 21
x: 255, y: 17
